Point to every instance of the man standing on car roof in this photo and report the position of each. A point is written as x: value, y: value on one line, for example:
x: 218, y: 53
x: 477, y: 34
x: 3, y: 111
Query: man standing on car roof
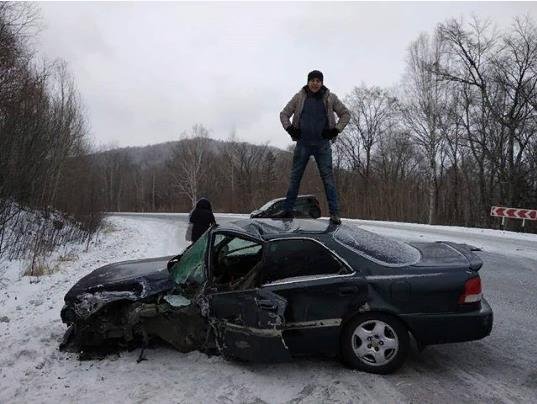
x: 313, y: 127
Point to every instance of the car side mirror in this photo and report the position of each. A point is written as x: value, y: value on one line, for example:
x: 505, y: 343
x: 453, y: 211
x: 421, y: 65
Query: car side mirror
x: 173, y: 261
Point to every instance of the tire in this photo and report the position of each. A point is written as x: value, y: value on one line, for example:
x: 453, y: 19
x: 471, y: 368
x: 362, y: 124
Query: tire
x: 384, y: 353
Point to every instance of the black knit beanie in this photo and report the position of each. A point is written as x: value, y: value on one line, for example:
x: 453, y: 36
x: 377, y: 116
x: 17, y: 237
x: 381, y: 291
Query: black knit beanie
x: 315, y: 74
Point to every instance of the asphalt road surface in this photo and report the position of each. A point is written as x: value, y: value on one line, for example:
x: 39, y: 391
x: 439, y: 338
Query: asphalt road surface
x: 500, y: 368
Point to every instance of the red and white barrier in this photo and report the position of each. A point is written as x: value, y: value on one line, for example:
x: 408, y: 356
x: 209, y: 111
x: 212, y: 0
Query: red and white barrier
x: 513, y: 213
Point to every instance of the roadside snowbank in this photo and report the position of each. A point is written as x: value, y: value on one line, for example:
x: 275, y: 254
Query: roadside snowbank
x: 452, y: 229
x: 495, y: 241
x: 33, y: 370
x: 505, y: 242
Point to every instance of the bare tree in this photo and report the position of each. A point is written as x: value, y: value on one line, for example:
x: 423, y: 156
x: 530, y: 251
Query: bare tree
x: 372, y: 110
x: 425, y: 97
x: 43, y: 139
x: 503, y: 68
x: 188, y: 165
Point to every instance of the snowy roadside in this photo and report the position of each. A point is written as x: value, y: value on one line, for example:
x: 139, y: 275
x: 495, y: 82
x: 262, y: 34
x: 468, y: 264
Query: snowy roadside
x: 521, y: 245
x: 451, y: 229
x: 33, y: 370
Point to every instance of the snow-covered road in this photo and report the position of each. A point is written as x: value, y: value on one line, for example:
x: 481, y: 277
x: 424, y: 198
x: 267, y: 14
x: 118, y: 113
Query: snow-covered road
x: 500, y: 368
x: 506, y: 242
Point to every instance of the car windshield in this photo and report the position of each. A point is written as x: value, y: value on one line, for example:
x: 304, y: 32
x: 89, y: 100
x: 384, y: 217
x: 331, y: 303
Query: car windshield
x: 379, y: 249
x: 190, y: 268
x: 268, y: 205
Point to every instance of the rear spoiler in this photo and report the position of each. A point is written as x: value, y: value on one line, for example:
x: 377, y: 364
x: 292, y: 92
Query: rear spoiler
x: 466, y: 250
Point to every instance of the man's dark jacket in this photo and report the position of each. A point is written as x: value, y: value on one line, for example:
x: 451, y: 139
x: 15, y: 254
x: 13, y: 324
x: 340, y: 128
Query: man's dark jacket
x: 332, y: 105
x: 313, y: 118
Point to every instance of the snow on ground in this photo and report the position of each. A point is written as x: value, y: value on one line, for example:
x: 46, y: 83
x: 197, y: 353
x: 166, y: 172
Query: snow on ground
x: 470, y: 231
x: 33, y: 370
x: 496, y: 241
x: 31, y: 367
x: 505, y: 242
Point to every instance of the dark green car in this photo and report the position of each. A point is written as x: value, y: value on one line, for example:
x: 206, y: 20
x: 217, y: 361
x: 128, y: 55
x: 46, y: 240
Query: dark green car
x: 268, y: 290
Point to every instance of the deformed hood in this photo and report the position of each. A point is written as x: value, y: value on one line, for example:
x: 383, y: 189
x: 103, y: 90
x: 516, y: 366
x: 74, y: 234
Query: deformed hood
x: 128, y: 280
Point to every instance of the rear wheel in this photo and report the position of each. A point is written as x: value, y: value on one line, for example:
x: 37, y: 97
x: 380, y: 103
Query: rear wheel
x: 375, y: 343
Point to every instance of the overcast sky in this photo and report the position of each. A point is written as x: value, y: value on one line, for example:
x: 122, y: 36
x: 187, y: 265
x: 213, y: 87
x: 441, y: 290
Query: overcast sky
x: 149, y: 71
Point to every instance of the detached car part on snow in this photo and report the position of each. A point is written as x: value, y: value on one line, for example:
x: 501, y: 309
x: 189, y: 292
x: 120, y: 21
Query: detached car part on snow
x: 268, y: 290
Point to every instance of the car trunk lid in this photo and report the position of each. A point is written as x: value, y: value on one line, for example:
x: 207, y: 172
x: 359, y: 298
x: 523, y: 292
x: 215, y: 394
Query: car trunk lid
x: 447, y: 254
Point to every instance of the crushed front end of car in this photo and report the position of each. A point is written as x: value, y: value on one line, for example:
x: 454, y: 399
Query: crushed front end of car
x: 134, y: 303
x: 129, y: 304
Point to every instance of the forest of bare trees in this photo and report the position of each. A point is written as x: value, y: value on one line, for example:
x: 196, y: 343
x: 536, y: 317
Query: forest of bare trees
x: 44, y: 162
x: 456, y: 136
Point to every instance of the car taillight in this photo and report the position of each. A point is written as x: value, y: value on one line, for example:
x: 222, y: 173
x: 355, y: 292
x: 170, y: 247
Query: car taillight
x: 472, y: 291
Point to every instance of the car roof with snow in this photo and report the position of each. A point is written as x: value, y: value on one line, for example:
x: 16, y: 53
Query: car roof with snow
x: 379, y: 249
x: 271, y: 228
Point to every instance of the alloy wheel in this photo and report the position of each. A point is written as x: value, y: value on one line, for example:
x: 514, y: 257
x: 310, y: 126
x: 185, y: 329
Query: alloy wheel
x: 375, y: 343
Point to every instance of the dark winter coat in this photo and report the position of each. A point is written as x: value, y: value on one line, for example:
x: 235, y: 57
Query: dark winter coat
x: 332, y: 104
x: 313, y: 119
x: 201, y: 218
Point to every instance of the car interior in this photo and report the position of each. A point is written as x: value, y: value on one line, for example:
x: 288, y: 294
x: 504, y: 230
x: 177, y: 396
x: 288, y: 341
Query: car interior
x: 233, y: 258
x: 238, y: 263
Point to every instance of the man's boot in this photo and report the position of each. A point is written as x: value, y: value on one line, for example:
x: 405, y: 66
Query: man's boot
x: 335, y: 219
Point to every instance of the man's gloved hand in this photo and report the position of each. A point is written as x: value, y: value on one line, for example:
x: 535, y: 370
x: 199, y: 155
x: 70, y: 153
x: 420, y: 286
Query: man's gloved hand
x: 293, y: 132
x: 330, y: 133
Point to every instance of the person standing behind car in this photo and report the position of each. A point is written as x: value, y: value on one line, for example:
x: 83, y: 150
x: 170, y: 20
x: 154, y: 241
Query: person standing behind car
x: 313, y: 127
x: 201, y: 218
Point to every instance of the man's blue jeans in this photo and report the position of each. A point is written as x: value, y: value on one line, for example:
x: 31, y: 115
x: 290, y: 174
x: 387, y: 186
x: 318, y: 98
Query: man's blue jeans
x: 323, y: 157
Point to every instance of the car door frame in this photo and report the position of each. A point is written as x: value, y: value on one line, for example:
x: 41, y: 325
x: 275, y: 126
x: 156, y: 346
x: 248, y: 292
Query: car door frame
x: 352, y: 290
x: 247, y: 323
x: 210, y: 257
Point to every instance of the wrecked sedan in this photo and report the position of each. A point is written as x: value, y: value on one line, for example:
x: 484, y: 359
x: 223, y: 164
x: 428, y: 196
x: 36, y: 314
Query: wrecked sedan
x: 268, y: 290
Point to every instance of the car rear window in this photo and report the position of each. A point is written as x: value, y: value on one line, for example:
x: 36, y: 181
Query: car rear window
x: 297, y: 258
x: 379, y: 249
